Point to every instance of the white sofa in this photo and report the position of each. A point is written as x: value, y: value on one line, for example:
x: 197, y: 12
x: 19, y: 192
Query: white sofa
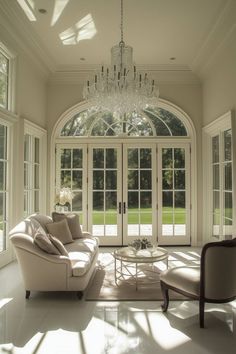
x: 46, y: 272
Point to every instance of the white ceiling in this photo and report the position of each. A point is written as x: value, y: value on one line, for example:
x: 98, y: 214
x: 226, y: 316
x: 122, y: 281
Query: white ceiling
x: 156, y: 29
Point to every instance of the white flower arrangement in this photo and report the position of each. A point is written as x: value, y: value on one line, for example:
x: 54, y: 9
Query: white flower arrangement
x: 64, y: 197
x: 141, y: 243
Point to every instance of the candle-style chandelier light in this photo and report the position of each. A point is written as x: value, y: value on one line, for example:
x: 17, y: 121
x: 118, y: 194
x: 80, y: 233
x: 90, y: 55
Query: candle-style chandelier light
x: 121, y: 89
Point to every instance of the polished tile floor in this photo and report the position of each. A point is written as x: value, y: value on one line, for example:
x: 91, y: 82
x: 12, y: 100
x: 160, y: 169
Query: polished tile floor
x: 58, y: 323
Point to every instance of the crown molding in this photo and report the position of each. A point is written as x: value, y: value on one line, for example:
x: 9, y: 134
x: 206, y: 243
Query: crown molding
x: 140, y: 67
x: 79, y: 74
x: 214, y: 43
x: 17, y: 26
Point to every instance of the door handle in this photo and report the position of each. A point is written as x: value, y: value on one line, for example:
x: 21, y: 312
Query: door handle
x: 119, y: 207
x: 124, y: 207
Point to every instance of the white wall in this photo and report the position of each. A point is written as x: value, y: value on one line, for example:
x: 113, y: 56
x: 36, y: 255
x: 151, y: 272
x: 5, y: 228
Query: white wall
x: 219, y: 82
x: 31, y: 95
x: 31, y: 80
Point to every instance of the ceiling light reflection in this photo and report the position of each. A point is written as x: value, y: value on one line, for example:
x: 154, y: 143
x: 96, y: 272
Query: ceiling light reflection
x: 5, y: 301
x: 28, y: 8
x: 59, y: 7
x: 83, y: 29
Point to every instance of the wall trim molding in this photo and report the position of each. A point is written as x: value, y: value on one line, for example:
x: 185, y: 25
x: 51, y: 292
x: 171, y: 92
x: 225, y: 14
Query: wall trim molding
x: 162, y: 74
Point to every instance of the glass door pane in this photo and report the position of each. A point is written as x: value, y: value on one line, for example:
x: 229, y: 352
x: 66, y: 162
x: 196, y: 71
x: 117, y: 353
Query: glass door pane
x: 216, y: 179
x: 174, y: 203
x: 139, y: 193
x: 104, y: 191
x: 72, y: 173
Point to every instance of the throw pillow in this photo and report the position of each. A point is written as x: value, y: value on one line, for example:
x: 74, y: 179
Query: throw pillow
x: 59, y: 245
x: 73, y: 223
x: 43, y: 242
x: 61, y: 231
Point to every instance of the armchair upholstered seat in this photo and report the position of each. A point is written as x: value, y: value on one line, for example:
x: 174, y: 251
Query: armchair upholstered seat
x: 214, y: 281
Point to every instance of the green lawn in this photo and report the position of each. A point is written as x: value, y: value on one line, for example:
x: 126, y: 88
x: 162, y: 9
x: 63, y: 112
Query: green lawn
x: 145, y: 216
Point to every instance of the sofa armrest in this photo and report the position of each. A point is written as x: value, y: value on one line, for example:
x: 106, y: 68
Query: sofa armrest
x: 25, y: 243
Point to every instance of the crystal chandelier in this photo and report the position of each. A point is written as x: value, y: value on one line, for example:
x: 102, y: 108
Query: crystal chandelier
x: 120, y: 89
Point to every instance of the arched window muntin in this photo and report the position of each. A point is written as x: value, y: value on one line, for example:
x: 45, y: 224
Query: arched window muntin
x: 85, y: 106
x: 160, y: 122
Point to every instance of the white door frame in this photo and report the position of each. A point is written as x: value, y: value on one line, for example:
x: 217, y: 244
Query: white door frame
x: 114, y: 240
x: 191, y: 138
x: 126, y: 237
x: 217, y: 127
x: 175, y: 240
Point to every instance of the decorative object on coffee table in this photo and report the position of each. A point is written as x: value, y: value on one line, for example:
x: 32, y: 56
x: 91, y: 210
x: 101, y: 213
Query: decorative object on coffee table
x: 141, y: 243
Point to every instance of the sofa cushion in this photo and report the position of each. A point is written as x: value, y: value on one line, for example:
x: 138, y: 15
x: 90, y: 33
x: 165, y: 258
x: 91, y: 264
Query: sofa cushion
x: 73, y: 223
x: 44, y: 243
x: 61, y: 231
x: 80, y: 262
x: 59, y: 245
x: 83, y: 245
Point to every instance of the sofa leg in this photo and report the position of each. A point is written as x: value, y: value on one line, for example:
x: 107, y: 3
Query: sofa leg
x: 201, y: 312
x: 165, y: 293
x: 80, y: 295
x: 27, y: 294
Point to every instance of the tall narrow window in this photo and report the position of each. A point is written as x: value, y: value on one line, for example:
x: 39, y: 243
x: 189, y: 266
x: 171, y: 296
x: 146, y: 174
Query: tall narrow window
x: 227, y: 184
x: 222, y: 185
x: 216, y: 185
x: 31, y: 174
x: 3, y: 186
x: 4, y: 80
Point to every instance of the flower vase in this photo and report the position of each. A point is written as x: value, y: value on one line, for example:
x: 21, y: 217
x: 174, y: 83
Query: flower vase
x: 61, y: 208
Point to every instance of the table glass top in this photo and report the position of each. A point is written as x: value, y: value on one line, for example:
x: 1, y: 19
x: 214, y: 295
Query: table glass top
x: 148, y: 254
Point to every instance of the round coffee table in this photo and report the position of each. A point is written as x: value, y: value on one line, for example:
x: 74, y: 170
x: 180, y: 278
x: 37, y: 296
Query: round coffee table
x: 138, y: 266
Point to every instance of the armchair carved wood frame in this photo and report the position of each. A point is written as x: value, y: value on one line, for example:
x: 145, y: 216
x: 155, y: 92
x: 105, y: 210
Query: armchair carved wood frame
x: 213, y: 282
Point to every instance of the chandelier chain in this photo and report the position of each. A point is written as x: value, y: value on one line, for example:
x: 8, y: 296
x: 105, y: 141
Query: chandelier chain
x: 121, y: 22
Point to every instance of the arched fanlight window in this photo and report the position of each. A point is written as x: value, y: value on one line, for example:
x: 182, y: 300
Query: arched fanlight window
x: 152, y: 122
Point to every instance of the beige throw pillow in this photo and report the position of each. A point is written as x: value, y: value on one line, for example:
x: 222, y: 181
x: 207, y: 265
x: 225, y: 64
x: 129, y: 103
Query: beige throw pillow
x: 58, y: 244
x: 61, y: 231
x: 73, y: 223
x: 43, y: 242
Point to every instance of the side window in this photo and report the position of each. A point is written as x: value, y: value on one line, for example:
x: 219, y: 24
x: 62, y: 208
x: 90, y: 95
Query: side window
x: 222, y: 193
x: 4, y: 74
x: 34, y: 169
x: 6, y: 78
x: 31, y: 174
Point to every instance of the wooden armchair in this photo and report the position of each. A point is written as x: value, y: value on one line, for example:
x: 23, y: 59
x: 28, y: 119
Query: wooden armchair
x: 214, y: 281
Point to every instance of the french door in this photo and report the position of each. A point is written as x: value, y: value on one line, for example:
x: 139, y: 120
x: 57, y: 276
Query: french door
x: 121, y: 189
x: 124, y: 191
x: 174, y: 194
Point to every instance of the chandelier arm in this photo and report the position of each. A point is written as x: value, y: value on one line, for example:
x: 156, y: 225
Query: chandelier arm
x: 121, y: 90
